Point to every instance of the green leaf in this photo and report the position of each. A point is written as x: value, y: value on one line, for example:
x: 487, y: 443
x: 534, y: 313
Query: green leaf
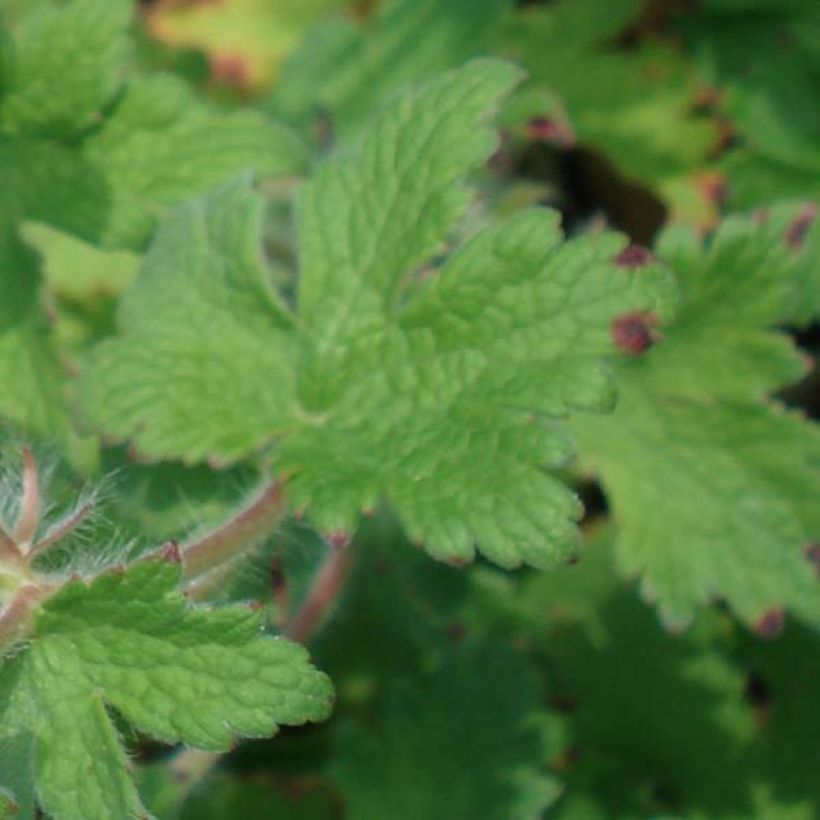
x: 466, y: 742
x: 346, y: 70
x: 638, y: 703
x: 161, y: 146
x: 713, y: 486
x: 67, y: 64
x: 130, y: 641
x: 253, y: 34
x: 33, y: 397
x: 17, y: 800
x: 634, y: 104
x: 765, y: 60
x: 443, y: 395
x: 210, y: 331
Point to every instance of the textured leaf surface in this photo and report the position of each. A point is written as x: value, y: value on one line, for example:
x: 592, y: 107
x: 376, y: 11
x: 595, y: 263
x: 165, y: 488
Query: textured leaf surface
x: 385, y: 384
x: 68, y: 63
x: 129, y: 640
x: 715, y: 488
x: 468, y: 742
x: 161, y: 146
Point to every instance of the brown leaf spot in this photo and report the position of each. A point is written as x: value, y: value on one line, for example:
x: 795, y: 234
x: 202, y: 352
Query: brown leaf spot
x: 634, y: 256
x: 635, y: 332
x: 551, y: 132
x: 770, y: 624
x: 798, y: 230
x: 338, y: 539
x: 812, y: 553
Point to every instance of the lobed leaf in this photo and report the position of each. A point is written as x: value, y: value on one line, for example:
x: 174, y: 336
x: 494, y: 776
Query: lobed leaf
x: 130, y: 641
x: 444, y: 395
x: 715, y: 487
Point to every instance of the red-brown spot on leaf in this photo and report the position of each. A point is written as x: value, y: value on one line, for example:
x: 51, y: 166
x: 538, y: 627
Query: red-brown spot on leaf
x: 812, y: 553
x: 798, y: 230
x: 635, y: 332
x: 551, y: 132
x: 770, y: 624
x: 713, y: 187
x: 634, y: 256
x: 338, y: 539
x: 231, y: 69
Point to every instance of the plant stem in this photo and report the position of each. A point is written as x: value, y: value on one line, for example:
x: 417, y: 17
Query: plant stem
x: 8, y: 549
x: 15, y: 617
x: 215, y: 549
x: 29, y: 515
x: 324, y: 591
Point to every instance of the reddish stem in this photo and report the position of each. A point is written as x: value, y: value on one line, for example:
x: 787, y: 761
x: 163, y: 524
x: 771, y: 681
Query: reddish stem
x: 213, y: 550
x: 29, y: 515
x: 324, y: 591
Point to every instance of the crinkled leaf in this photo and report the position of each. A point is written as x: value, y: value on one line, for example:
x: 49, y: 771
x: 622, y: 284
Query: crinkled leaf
x: 715, y: 488
x: 212, y: 340
x: 130, y: 641
x: 466, y: 742
x: 443, y: 395
x: 68, y: 62
x: 161, y: 146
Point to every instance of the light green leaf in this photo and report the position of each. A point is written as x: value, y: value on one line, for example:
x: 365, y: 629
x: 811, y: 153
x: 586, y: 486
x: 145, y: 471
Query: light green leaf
x: 466, y: 742
x: 130, y: 640
x: 443, y: 395
x: 715, y: 488
x: 67, y: 63
x: 212, y: 340
x: 161, y: 146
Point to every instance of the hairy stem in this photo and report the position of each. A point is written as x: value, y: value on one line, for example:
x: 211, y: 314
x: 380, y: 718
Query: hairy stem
x: 229, y: 540
x: 61, y: 529
x: 15, y: 618
x: 324, y: 591
x: 29, y: 515
x: 8, y: 549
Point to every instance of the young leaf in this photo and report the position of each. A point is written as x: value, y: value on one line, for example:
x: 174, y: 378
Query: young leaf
x: 130, y: 641
x: 714, y: 487
x: 443, y: 396
x: 465, y: 743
